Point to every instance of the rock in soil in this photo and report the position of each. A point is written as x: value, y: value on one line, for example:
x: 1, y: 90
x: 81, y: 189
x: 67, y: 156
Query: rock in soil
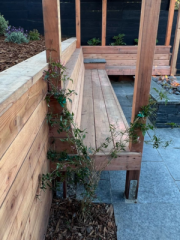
x: 66, y: 221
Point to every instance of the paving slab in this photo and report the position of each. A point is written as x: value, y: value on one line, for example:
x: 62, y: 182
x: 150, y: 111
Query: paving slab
x: 171, y: 158
x: 117, y: 181
x: 157, y: 185
x: 150, y: 154
x: 147, y: 221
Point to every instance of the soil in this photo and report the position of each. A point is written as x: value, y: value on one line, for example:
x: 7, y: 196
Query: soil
x: 12, y: 53
x: 65, y: 222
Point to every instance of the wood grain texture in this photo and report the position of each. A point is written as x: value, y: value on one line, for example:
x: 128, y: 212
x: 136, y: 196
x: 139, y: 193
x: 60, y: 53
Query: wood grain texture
x: 87, y: 114
x: 117, y: 56
x: 133, y: 62
x: 36, y: 226
x: 104, y: 20
x: 146, y: 48
x: 131, y: 70
x: 52, y: 29
x: 13, y: 120
x: 115, y: 114
x: 175, y: 46
x: 78, y: 23
x: 121, y: 50
x: 170, y: 22
x: 14, y: 157
x: 102, y: 125
x: 95, y: 65
x: 24, y: 189
x: 124, y: 161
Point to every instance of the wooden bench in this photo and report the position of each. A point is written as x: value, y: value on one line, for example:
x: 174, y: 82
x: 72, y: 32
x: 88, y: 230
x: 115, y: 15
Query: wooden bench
x: 95, y: 107
x: 100, y: 109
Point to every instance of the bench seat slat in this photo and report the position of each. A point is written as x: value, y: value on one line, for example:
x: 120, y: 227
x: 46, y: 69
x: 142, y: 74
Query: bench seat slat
x: 114, y: 111
x: 100, y: 113
x: 100, y: 109
x: 87, y: 116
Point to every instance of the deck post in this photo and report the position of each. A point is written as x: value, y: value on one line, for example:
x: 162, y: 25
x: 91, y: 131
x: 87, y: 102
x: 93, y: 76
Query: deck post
x: 104, y: 20
x: 78, y: 23
x: 175, y: 46
x: 147, y: 41
x: 52, y: 29
x: 170, y: 22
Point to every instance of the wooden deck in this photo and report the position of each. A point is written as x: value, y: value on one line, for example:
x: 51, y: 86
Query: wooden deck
x: 100, y: 109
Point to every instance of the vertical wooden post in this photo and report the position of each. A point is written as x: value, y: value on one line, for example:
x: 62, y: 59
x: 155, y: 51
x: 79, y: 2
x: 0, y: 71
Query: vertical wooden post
x: 104, y: 21
x: 176, y: 46
x: 170, y: 22
x: 52, y: 30
x: 146, y: 47
x: 78, y: 23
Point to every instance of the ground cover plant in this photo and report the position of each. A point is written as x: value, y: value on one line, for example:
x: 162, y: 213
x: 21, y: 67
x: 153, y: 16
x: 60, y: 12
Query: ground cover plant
x: 119, y: 40
x: 34, y: 35
x: 94, y: 42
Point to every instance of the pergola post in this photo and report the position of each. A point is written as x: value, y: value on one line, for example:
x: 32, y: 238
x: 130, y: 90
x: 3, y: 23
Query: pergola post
x: 104, y: 20
x: 52, y: 29
x: 176, y: 46
x: 146, y: 47
x: 78, y: 23
x: 170, y: 22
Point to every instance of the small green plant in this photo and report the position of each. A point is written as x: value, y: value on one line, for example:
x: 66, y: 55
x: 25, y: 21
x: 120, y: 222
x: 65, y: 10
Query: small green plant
x: 177, y: 4
x: 119, y: 40
x: 34, y: 35
x: 136, y: 41
x: 16, y: 37
x: 94, y: 42
x: 3, y: 25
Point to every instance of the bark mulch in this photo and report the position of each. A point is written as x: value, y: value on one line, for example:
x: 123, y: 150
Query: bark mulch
x: 65, y: 222
x: 12, y: 53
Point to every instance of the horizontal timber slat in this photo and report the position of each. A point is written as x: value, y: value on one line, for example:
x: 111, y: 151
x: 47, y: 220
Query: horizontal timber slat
x: 24, y: 186
x: 125, y: 70
x: 133, y: 63
x: 19, y: 149
x: 121, y: 49
x: 124, y: 161
x: 122, y: 56
x: 13, y: 120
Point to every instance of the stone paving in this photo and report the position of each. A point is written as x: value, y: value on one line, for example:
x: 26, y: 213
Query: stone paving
x: 156, y: 213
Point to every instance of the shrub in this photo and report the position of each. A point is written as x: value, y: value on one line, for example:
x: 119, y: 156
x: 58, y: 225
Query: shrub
x: 16, y: 35
x: 34, y: 35
x: 94, y: 42
x: 119, y: 40
x: 3, y: 25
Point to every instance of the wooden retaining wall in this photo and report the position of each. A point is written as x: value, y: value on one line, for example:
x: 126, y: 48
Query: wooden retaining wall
x: 24, y: 134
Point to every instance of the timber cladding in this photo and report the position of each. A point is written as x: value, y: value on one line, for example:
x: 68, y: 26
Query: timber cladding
x: 23, y: 149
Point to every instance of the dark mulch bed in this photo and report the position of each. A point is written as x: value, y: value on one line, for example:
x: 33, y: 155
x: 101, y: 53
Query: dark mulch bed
x: 12, y: 53
x: 66, y: 223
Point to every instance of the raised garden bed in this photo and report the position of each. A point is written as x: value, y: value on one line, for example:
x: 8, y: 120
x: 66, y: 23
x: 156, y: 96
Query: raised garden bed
x: 165, y: 112
x: 13, y: 53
